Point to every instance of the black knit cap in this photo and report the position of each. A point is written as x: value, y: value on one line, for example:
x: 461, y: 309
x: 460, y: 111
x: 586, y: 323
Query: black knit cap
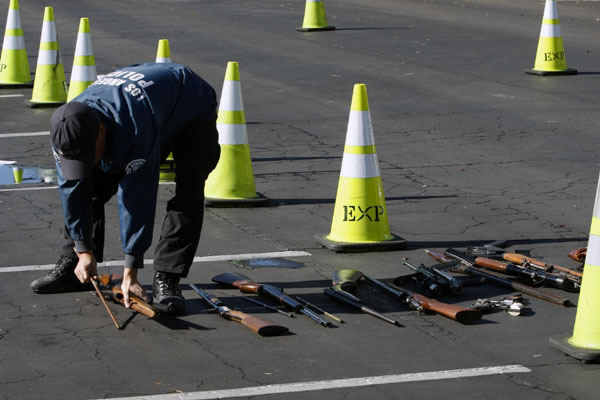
x: 73, y: 133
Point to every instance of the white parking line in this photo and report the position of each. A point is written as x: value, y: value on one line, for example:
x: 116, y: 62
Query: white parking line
x: 24, y: 134
x: 335, y: 384
x: 234, y: 257
x: 4, y: 96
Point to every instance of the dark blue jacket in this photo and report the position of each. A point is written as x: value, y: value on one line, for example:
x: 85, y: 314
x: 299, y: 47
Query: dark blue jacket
x: 142, y: 106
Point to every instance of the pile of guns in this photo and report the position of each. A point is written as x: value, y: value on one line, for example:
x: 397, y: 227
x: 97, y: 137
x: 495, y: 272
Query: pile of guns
x: 481, y: 265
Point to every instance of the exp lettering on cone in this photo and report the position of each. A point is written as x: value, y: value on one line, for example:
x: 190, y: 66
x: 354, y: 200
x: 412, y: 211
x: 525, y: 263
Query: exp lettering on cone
x: 14, y: 67
x: 314, y: 17
x: 50, y: 85
x: 360, y: 219
x: 83, y: 73
x: 231, y: 183
x: 585, y: 342
x: 550, y: 57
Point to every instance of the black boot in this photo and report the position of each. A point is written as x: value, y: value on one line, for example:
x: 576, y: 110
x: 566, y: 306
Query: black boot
x: 166, y: 292
x: 61, y: 279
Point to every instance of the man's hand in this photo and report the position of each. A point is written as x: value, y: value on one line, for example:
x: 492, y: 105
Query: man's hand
x: 131, y: 286
x: 86, y: 266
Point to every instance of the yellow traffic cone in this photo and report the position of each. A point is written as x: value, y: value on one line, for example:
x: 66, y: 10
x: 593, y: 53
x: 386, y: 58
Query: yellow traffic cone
x: 314, y: 17
x: 167, y: 170
x: 14, y: 67
x: 231, y: 183
x: 163, y: 53
x: 360, y: 220
x: 585, y: 342
x: 50, y: 85
x: 550, y: 58
x: 83, y: 73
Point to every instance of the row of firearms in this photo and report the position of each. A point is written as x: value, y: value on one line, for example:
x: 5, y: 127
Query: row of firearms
x: 481, y: 265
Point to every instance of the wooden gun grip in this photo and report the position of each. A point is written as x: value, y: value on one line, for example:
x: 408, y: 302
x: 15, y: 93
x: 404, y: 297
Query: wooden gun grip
x: 136, y: 303
x: 491, y: 264
x: 260, y: 326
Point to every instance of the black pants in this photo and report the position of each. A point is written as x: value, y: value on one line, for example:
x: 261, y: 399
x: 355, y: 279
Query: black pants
x: 196, y: 152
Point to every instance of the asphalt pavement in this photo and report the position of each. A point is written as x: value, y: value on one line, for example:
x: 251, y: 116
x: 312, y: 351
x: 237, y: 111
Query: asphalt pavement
x: 471, y: 150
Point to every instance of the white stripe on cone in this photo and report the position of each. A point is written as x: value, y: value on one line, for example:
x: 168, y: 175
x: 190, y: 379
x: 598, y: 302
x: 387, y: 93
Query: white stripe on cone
x: 232, y: 133
x: 83, y: 73
x: 13, y: 43
x: 83, y: 47
x: 360, y: 129
x: 231, y: 96
x: 49, y: 32
x: 360, y: 166
x: 13, y: 21
x: 48, y: 57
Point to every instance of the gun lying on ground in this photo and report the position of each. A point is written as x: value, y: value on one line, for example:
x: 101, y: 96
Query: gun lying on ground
x: 260, y: 326
x: 434, y: 280
x: 420, y: 303
x: 112, y: 282
x: 247, y: 285
x: 341, y: 295
x: 537, y: 276
x: 349, y: 279
x: 551, y: 268
x: 467, y: 266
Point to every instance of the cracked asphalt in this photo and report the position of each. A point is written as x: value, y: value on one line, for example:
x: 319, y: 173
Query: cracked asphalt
x: 471, y: 150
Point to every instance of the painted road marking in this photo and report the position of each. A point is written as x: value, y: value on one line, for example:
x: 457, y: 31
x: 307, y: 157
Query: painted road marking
x: 4, y: 96
x: 24, y: 134
x: 335, y: 384
x: 234, y: 257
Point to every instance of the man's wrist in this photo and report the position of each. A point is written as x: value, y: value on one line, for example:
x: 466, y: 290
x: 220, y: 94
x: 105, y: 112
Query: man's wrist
x: 134, y: 261
x: 82, y: 246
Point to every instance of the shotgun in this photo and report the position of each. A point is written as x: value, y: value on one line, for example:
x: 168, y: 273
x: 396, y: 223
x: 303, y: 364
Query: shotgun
x: 536, y: 276
x: 247, y: 285
x: 467, y: 267
x: 419, y: 302
x: 260, y: 326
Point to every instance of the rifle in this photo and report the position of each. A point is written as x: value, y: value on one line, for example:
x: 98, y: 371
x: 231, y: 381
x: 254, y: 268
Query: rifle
x: 247, y: 285
x: 528, y: 261
x: 535, y: 275
x: 435, y: 279
x: 260, y: 326
x: 419, y: 302
x: 468, y: 267
x: 111, y: 281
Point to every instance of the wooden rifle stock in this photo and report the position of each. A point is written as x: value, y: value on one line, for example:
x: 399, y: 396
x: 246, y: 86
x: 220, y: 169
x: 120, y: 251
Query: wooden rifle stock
x: 457, y: 313
x: 257, y: 325
x: 521, y: 259
x: 467, y: 268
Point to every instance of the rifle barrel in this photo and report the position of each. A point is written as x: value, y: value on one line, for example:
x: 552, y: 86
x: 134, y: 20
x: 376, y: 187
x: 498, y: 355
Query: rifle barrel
x: 319, y: 309
x: 338, y: 296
